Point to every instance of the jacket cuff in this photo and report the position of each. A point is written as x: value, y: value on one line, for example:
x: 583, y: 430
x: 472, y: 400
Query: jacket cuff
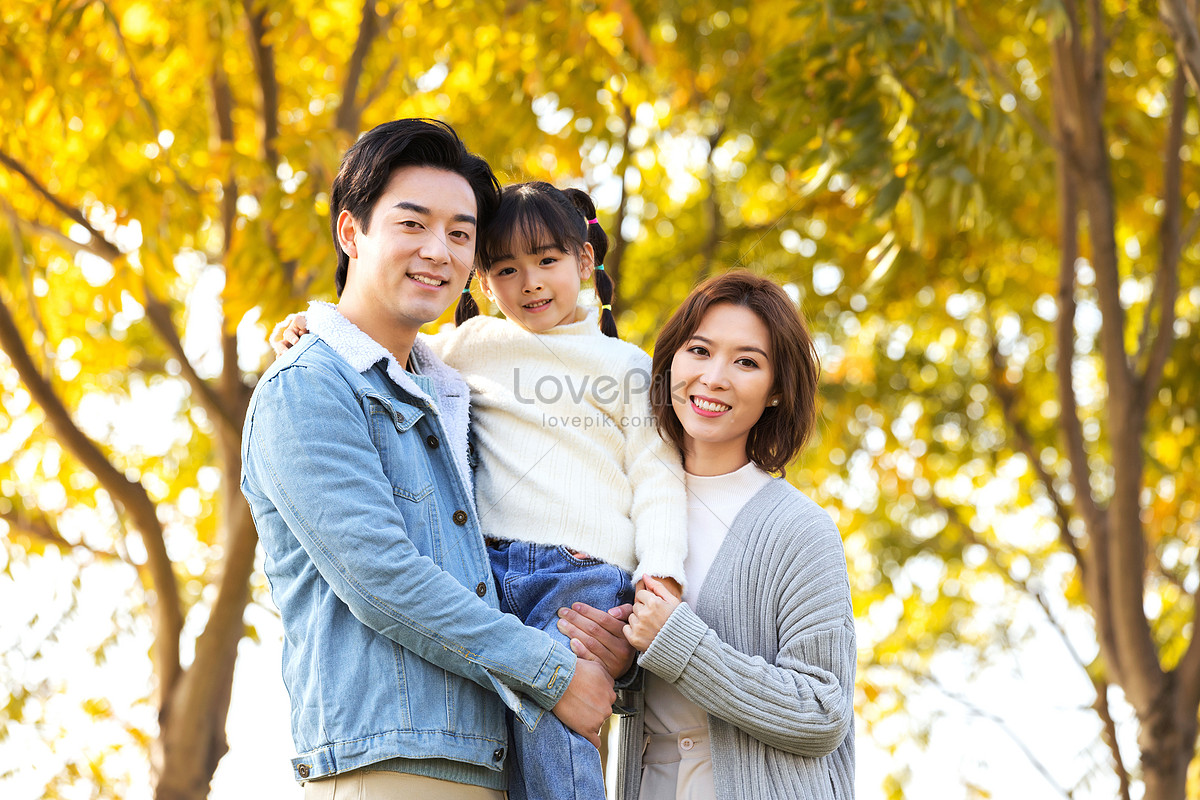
x: 674, y: 645
x: 550, y: 684
x: 545, y: 689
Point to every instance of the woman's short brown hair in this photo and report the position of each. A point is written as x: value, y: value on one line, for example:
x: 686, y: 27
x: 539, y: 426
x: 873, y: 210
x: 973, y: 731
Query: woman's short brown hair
x: 782, y: 431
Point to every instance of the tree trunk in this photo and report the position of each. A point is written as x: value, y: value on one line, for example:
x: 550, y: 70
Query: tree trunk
x: 1115, y: 568
x: 193, y: 717
x: 1167, y: 741
x: 191, y: 746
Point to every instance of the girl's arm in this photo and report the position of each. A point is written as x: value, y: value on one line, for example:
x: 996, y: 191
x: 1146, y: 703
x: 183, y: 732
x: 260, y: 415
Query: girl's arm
x: 802, y: 701
x: 655, y: 471
x: 288, y: 331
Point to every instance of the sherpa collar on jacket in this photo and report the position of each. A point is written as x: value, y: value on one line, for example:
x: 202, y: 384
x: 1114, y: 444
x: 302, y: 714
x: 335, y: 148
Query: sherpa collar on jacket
x: 362, y: 352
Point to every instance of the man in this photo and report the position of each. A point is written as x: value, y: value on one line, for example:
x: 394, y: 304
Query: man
x: 396, y: 657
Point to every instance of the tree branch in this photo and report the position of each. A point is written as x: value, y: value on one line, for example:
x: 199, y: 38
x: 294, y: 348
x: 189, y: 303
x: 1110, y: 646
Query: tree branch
x: 381, y: 84
x: 1081, y: 474
x: 1182, y: 25
x: 1022, y: 584
x: 1166, y: 284
x: 1124, y: 552
x: 1110, y: 734
x: 160, y: 319
x: 141, y: 95
x: 1007, y: 393
x: 1036, y: 125
x: 1188, y: 668
x: 1099, y: 50
x: 616, y: 254
x: 349, y: 112
x: 42, y: 530
x: 1066, y: 122
x: 101, y: 246
x: 1000, y: 723
x: 27, y: 278
x: 712, y: 208
x: 222, y: 112
x: 268, y: 82
x: 129, y: 494
x: 66, y: 242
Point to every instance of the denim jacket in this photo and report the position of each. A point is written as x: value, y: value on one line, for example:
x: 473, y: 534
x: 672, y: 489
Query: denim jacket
x: 394, y: 647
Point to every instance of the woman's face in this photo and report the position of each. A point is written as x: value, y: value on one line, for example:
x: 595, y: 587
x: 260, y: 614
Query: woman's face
x: 721, y: 382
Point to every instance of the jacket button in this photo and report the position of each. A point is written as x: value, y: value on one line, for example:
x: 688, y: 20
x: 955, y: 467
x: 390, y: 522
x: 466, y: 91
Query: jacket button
x: 432, y: 441
x: 303, y: 770
x: 481, y: 590
x: 460, y: 517
x: 498, y: 755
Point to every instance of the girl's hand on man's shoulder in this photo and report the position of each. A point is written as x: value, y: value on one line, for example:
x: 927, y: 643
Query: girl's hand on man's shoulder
x: 287, y: 333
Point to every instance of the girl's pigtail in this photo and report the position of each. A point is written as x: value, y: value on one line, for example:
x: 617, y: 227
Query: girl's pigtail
x: 604, y: 288
x: 466, y: 307
x: 598, y: 239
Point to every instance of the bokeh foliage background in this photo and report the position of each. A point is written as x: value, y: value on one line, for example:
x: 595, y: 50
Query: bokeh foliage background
x: 1008, y: 436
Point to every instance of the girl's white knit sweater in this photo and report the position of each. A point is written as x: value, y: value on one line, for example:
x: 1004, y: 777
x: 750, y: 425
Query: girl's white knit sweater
x: 568, y: 450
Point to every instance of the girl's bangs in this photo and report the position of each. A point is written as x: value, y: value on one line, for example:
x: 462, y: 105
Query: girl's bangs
x: 532, y: 230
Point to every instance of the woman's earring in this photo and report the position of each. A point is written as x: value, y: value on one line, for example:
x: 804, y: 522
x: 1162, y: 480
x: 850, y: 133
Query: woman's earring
x: 775, y: 402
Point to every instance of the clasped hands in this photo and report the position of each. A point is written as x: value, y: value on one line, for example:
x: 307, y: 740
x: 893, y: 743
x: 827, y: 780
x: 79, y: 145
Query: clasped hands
x: 612, y: 637
x: 608, y: 639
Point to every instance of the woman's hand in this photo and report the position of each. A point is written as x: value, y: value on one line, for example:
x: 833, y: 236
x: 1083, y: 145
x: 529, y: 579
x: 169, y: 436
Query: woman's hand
x: 652, y: 604
x: 287, y: 333
x: 596, y: 635
x: 670, y: 584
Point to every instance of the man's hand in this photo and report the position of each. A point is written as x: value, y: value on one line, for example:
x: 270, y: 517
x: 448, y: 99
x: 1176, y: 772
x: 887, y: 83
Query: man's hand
x: 287, y: 333
x: 596, y: 635
x: 652, y: 604
x: 588, y: 701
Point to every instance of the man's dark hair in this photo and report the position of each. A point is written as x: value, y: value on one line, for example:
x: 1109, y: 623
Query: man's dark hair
x: 368, y: 166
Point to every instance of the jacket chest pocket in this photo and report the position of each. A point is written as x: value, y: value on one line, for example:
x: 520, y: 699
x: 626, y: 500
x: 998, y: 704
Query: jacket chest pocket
x: 402, y: 449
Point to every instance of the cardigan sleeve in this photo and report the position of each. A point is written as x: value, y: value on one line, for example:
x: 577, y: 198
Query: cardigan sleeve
x: 800, y: 702
x: 655, y: 472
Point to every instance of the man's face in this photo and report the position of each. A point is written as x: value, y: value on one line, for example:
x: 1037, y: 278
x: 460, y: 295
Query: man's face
x: 413, y: 259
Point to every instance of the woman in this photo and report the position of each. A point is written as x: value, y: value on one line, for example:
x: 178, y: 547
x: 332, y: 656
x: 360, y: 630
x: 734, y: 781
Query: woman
x: 749, y: 682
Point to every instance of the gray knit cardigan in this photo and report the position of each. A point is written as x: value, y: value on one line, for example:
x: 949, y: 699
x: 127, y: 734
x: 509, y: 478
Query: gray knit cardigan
x: 769, y: 652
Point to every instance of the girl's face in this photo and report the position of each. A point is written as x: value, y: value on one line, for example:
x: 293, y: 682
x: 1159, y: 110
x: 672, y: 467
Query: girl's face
x: 721, y: 382
x: 538, y: 289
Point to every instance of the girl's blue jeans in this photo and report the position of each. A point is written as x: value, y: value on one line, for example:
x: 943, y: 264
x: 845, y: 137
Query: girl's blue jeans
x: 552, y: 762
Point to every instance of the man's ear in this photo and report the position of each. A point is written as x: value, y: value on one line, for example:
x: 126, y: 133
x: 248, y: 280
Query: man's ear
x: 347, y: 227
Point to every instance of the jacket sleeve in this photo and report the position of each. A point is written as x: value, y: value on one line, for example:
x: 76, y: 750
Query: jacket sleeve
x: 802, y: 701
x: 655, y: 470
x: 320, y: 470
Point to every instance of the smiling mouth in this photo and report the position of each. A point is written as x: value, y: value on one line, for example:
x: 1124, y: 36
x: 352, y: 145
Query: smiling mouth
x: 535, y: 306
x: 427, y: 281
x: 709, y: 405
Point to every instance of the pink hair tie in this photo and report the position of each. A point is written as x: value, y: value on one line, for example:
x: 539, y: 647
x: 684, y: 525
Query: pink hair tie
x: 593, y: 221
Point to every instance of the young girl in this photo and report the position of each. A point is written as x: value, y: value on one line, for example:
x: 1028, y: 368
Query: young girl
x: 574, y: 487
x: 749, y: 683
